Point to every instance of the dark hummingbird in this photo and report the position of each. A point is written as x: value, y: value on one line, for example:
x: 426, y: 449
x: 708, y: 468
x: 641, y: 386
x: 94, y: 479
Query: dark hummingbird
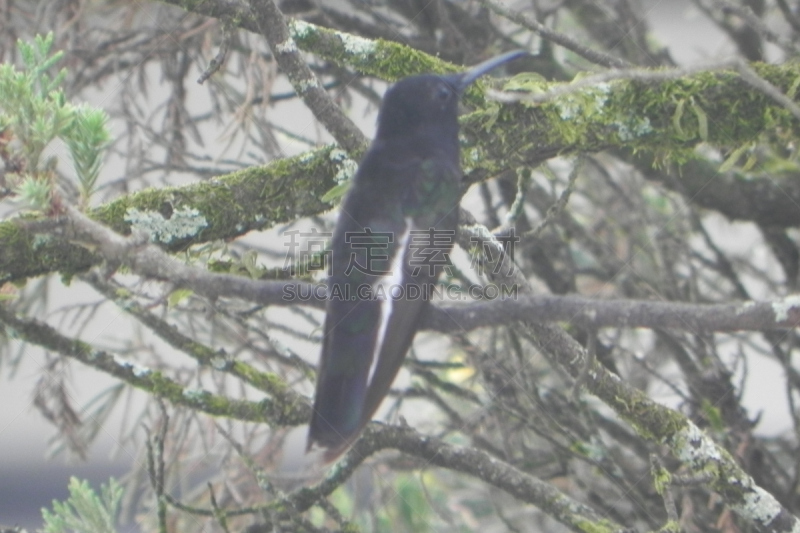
x: 395, y: 230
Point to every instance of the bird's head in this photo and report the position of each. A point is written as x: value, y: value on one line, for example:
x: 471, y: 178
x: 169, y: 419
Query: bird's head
x: 429, y: 103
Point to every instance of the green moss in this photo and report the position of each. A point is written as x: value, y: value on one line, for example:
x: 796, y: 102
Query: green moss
x: 261, y: 380
x: 667, y: 118
x: 385, y: 59
x: 662, y: 479
x: 649, y: 419
x: 600, y: 526
x: 239, y: 202
x: 671, y: 527
x: 123, y: 293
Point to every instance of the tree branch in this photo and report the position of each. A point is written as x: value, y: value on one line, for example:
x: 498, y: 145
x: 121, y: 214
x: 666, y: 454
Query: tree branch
x: 153, y: 381
x: 600, y: 58
x: 652, y: 421
x: 434, y: 452
x: 384, y: 59
x: 624, y: 114
x: 222, y: 208
x: 593, y: 313
x: 219, y: 360
x: 663, y: 426
x: 273, y: 26
x: 521, y: 306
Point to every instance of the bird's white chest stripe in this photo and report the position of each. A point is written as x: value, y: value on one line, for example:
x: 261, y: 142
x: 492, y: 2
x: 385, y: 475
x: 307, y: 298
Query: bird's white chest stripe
x: 393, y: 279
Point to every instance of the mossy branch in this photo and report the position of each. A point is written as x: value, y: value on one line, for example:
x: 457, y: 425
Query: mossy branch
x: 663, y: 426
x: 668, y: 118
x: 380, y: 58
x: 665, y: 116
x: 266, y: 382
x: 222, y: 208
x: 151, y: 381
x: 652, y: 421
x: 432, y: 452
x: 662, y: 118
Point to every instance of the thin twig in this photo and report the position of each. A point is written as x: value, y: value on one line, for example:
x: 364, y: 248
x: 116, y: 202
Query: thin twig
x: 759, y: 83
x: 590, y: 358
x: 567, y: 42
x: 155, y: 383
x: 219, y: 514
x: 216, y: 62
x: 155, y: 467
x: 558, y: 207
x: 152, y: 262
x: 273, y: 25
x: 758, y: 25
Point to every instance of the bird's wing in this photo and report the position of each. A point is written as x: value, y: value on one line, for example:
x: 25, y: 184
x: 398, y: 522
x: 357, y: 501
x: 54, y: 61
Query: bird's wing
x: 364, y: 346
x: 400, y: 319
x: 365, y: 340
x: 350, y: 328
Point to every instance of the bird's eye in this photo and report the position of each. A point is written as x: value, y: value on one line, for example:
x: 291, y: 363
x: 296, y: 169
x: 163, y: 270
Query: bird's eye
x: 443, y: 93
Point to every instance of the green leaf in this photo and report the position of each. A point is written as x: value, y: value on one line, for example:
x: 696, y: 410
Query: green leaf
x: 87, y: 136
x: 414, y: 508
x: 492, y: 112
x: 85, y: 511
x: 733, y: 158
x: 27, y: 53
x: 49, y: 63
x: 713, y: 415
x: 43, y: 44
x: 525, y: 81
x: 35, y: 192
x: 750, y: 163
x: 702, y: 120
x: 249, y: 263
x: 32, y: 104
x: 336, y: 192
x: 676, y: 119
x: 793, y: 88
x: 177, y: 296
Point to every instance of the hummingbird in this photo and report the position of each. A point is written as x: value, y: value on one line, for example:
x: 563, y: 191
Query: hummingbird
x: 394, y: 232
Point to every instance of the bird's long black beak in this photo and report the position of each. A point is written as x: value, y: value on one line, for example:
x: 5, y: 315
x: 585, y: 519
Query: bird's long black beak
x: 490, y: 64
